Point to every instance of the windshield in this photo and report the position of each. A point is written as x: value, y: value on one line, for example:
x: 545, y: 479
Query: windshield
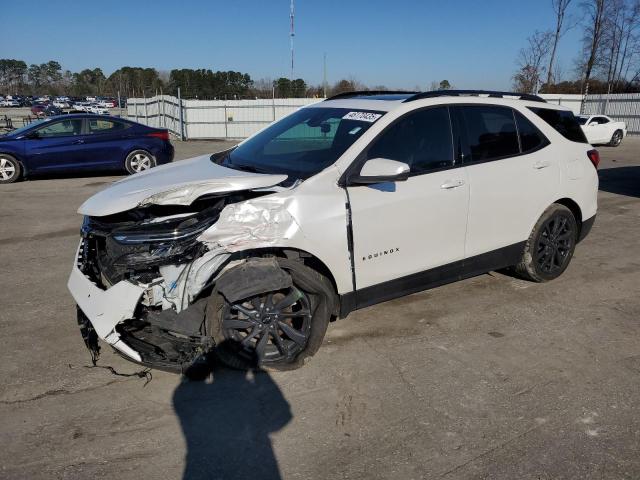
x: 302, y: 144
x: 21, y: 130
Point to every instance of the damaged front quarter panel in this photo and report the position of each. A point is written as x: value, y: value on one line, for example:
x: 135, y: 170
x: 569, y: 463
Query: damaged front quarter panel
x: 256, y: 223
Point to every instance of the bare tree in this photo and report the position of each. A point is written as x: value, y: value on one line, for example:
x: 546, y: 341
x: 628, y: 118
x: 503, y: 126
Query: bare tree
x: 628, y: 49
x: 560, y: 9
x: 531, y: 61
x: 595, y: 10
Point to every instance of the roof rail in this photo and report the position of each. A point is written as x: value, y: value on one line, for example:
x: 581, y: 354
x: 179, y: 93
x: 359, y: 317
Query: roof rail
x: 462, y: 93
x: 365, y: 93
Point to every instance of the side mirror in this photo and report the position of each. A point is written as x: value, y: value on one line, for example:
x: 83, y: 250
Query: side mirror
x: 593, y: 124
x: 379, y: 170
x: 32, y: 135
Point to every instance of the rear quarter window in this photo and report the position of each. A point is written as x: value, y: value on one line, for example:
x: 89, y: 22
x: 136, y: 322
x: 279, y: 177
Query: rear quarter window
x: 563, y: 121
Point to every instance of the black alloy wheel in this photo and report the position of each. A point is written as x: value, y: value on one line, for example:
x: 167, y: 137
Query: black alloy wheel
x: 555, y: 244
x: 268, y: 328
x: 550, y: 246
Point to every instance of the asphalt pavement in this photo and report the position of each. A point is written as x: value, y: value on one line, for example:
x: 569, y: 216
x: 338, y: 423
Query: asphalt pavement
x: 491, y: 377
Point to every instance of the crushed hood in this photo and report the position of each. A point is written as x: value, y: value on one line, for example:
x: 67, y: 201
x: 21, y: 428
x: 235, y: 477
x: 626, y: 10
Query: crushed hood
x: 179, y: 183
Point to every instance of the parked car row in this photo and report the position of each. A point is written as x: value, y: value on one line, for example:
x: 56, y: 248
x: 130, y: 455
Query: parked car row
x: 62, y: 102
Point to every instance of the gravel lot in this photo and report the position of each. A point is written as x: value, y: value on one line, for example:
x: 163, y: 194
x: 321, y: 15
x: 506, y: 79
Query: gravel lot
x: 492, y: 377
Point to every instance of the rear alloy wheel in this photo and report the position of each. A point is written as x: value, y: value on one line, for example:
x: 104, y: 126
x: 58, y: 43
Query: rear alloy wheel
x: 10, y: 170
x: 616, y: 139
x: 139, y: 161
x: 550, y: 246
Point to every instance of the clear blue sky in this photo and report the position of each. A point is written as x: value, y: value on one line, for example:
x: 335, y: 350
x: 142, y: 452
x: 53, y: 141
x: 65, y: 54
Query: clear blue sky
x: 397, y: 43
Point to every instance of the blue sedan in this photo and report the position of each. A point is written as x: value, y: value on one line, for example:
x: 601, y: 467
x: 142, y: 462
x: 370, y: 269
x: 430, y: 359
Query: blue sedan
x: 78, y: 143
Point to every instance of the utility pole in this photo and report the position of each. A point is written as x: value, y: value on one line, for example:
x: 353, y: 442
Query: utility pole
x: 291, y: 35
x: 324, y: 76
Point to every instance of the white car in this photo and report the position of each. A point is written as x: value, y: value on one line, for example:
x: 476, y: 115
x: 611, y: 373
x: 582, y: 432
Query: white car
x: 81, y: 106
x: 602, y: 130
x: 343, y: 204
x: 61, y: 104
x: 97, y: 109
x: 9, y: 103
x: 107, y: 103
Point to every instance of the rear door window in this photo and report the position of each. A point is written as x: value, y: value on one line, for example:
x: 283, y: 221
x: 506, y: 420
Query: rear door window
x: 563, y: 121
x: 490, y: 131
x: 100, y: 125
x: 531, y: 139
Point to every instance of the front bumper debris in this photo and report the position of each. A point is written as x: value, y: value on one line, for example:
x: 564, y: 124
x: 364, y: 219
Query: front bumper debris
x: 106, y: 308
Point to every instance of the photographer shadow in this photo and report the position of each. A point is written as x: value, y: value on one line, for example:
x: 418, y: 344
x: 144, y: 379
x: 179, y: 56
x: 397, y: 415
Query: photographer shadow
x: 226, y: 421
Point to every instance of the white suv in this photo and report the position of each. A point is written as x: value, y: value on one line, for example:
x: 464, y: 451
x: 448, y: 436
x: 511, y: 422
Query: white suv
x: 249, y: 253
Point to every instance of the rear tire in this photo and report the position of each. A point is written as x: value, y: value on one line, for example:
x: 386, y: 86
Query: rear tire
x: 550, y: 246
x: 139, y: 161
x: 616, y: 139
x: 299, y: 335
x: 10, y: 169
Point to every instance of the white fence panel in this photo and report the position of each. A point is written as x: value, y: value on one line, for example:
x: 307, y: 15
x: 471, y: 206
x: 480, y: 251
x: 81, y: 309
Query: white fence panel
x: 619, y: 106
x: 210, y: 119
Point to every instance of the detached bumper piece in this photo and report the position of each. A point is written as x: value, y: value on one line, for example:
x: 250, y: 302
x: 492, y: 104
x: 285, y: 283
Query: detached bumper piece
x: 167, y: 340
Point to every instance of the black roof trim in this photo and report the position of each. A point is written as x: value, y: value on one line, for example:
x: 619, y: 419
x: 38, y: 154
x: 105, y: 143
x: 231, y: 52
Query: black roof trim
x: 367, y: 93
x: 461, y: 93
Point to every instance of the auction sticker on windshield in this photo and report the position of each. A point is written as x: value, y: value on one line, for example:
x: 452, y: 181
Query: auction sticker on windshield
x: 362, y: 116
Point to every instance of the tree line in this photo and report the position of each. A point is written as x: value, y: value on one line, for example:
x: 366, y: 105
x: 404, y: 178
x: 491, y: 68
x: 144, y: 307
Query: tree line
x: 16, y: 77
x: 609, y: 57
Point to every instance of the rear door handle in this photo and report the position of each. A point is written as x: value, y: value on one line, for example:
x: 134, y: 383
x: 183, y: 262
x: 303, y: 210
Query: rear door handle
x: 540, y: 164
x: 449, y: 184
x: 78, y: 142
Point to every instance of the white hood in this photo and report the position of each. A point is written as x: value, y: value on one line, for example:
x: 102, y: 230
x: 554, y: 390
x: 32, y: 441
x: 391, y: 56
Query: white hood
x: 179, y: 183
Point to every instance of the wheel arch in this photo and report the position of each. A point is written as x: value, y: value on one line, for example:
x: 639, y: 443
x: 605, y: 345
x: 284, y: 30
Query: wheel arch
x: 306, y: 258
x: 575, y: 209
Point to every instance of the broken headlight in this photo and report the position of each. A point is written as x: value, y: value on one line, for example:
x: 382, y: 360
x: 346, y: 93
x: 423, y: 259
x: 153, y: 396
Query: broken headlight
x: 175, y: 230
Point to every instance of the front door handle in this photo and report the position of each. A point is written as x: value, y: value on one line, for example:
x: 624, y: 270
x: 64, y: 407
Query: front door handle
x: 78, y: 142
x: 540, y: 164
x: 449, y: 184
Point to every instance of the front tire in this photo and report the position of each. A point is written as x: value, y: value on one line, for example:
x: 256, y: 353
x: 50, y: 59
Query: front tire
x: 10, y: 169
x: 550, y: 246
x: 139, y: 161
x: 275, y: 330
x: 616, y: 139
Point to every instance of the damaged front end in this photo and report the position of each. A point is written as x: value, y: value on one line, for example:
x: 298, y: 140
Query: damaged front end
x: 142, y: 276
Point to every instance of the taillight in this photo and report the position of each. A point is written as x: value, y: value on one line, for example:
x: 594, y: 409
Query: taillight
x: 162, y: 135
x: 594, y: 156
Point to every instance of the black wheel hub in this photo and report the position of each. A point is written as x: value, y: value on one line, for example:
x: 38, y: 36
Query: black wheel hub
x: 555, y: 244
x: 271, y: 327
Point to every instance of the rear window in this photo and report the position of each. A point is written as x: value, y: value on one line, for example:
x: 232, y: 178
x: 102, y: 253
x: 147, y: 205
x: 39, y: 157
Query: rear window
x: 563, y: 121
